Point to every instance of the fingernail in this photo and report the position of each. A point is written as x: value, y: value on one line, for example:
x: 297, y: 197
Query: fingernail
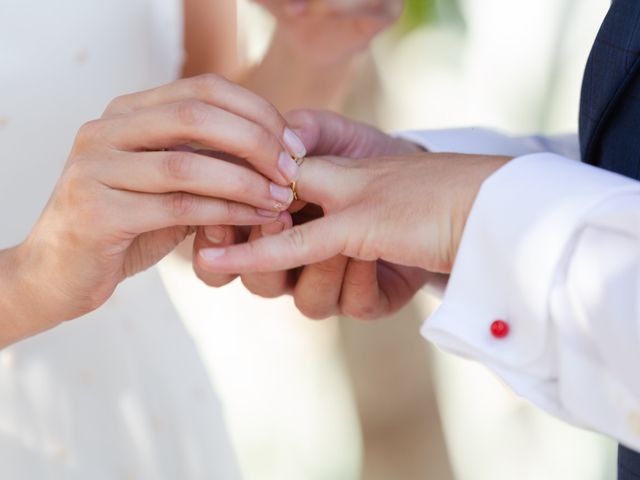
x: 294, y: 144
x: 282, y: 195
x: 215, y: 234
x: 267, y: 213
x: 272, y: 229
x: 211, y: 254
x: 288, y: 167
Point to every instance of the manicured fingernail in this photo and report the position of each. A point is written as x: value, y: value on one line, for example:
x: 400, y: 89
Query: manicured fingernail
x: 282, y: 195
x: 288, y: 167
x: 272, y: 229
x: 215, y: 234
x: 267, y: 213
x: 294, y: 144
x: 211, y: 254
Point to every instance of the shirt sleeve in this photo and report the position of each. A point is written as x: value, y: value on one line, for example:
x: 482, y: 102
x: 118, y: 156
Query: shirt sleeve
x: 552, y: 247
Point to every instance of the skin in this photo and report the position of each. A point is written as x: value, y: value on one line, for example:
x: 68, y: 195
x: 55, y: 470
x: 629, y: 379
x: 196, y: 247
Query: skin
x: 397, y: 216
x: 123, y: 201
x: 147, y: 198
x: 313, y: 53
x: 309, y: 63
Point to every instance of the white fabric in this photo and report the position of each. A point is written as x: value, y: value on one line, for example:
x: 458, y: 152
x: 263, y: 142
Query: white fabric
x: 121, y: 393
x: 553, y: 247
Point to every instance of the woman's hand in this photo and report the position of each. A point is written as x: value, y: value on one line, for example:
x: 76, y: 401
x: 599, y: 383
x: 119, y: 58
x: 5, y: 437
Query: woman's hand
x: 125, y: 199
x: 406, y: 210
x: 325, y: 32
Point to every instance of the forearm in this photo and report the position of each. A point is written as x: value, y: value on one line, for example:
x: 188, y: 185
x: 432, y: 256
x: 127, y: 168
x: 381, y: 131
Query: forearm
x: 289, y: 81
x: 20, y: 316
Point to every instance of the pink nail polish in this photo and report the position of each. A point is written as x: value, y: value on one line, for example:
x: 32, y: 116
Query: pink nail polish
x: 282, y: 195
x: 212, y: 254
x: 288, y: 167
x: 294, y: 144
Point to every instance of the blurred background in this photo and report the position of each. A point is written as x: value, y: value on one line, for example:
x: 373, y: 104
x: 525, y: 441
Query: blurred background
x: 346, y: 400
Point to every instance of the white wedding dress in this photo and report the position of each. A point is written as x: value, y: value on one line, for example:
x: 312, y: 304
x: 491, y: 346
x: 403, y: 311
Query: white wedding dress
x: 122, y: 393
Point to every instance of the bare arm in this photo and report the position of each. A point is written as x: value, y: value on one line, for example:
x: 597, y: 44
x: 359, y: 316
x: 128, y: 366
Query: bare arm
x: 311, y: 57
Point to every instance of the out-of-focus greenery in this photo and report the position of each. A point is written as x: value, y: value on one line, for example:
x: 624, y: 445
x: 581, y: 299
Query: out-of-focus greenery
x: 418, y: 13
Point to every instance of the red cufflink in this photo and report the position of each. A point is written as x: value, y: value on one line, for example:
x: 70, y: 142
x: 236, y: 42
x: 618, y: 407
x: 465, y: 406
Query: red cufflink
x: 499, y: 329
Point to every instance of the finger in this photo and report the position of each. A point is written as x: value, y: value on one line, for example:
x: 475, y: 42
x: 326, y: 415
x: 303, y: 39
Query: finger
x: 328, y: 182
x: 317, y: 291
x: 211, y: 237
x: 312, y: 242
x: 269, y: 284
x: 164, y: 126
x: 219, y: 92
x: 327, y: 133
x: 361, y: 295
x: 163, y: 172
x: 399, y: 283
x: 144, y: 212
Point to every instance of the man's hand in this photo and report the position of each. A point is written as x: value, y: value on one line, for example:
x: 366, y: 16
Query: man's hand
x: 338, y: 285
x: 397, y: 217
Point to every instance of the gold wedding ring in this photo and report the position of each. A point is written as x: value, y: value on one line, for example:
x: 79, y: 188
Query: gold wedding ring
x: 299, y: 161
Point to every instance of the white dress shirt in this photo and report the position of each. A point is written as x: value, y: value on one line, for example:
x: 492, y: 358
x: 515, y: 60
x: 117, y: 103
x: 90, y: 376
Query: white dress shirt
x: 552, y: 247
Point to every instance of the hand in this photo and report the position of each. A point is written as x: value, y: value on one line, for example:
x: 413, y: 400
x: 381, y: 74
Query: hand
x: 123, y: 202
x: 331, y: 31
x: 408, y: 210
x: 338, y: 285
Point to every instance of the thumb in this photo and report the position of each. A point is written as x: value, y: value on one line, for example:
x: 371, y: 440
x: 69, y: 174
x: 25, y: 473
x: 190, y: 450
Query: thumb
x: 306, y: 244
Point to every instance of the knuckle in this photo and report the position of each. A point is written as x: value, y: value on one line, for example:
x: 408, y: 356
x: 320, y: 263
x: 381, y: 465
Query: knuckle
x: 117, y: 105
x: 253, y: 284
x: 203, y: 84
x: 191, y: 112
x: 297, y: 238
x: 181, y: 204
x: 266, y: 285
x: 303, y: 117
x: 178, y: 165
x: 270, y: 113
x: 231, y: 211
x: 245, y: 188
x: 260, y: 140
x: 312, y: 309
x: 88, y: 132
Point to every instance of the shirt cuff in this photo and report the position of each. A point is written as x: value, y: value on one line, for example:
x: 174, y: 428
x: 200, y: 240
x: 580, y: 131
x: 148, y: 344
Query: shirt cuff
x: 523, y: 220
x: 483, y: 141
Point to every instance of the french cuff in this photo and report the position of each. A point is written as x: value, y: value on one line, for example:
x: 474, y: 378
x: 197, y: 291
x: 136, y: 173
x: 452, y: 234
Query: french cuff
x: 474, y: 141
x: 515, y: 239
